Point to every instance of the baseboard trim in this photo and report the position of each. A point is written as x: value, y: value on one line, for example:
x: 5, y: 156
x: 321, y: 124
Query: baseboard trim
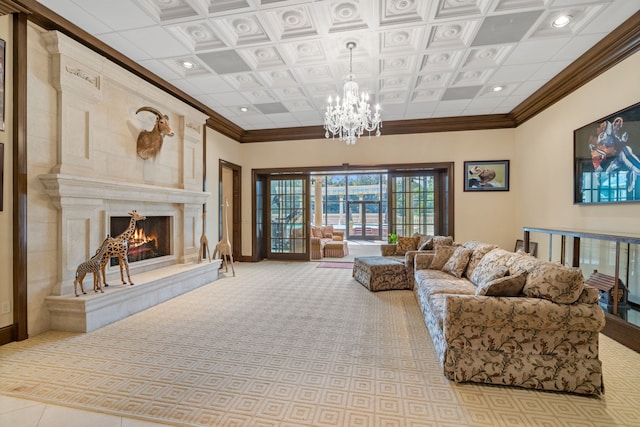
x: 622, y: 331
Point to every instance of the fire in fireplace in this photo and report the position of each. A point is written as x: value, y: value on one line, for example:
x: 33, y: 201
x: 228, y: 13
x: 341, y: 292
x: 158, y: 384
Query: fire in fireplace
x: 150, y: 239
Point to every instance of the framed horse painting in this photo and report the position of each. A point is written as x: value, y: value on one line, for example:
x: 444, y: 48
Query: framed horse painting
x: 606, y: 162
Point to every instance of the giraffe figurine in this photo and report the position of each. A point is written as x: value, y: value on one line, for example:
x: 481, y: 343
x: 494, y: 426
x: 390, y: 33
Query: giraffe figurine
x: 91, y: 266
x: 224, y: 246
x: 204, y: 252
x: 119, y: 246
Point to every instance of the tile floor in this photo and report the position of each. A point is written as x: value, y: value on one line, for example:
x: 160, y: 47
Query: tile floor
x: 28, y: 413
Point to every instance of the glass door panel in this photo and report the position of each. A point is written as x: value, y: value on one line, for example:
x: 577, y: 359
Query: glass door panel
x: 288, y: 213
x: 413, y: 201
x: 364, y: 220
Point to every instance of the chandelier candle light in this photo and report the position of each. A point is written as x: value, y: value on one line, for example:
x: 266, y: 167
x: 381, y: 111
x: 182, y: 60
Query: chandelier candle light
x: 351, y: 118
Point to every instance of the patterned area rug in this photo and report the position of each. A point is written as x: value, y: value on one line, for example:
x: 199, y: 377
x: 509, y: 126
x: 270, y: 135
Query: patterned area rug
x: 347, y: 265
x: 288, y: 344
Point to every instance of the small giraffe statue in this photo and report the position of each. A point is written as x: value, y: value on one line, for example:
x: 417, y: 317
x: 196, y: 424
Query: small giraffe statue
x: 91, y: 266
x: 204, y: 252
x: 118, y: 247
x: 224, y: 246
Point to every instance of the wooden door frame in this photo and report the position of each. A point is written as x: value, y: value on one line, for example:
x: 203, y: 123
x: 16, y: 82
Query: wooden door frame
x: 236, y: 203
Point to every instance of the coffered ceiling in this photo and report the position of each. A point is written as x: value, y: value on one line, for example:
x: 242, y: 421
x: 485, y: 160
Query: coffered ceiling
x: 281, y: 59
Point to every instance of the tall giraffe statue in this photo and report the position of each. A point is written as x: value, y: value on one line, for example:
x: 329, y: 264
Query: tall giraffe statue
x: 224, y: 246
x: 119, y: 246
x: 204, y: 242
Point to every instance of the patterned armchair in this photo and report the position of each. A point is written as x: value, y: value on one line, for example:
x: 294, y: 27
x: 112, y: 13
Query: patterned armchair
x: 319, y: 238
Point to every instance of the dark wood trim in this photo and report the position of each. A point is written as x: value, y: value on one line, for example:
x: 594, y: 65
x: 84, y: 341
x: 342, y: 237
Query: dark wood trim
x: 8, y: 334
x: 236, y: 220
x: 397, y: 127
x: 618, y: 45
x: 621, y: 43
x: 20, y: 175
x: 622, y: 331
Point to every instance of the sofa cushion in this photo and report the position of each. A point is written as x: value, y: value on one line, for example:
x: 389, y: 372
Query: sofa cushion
x: 521, y: 261
x: 431, y: 282
x: 457, y: 263
x: 327, y: 231
x: 494, y: 258
x: 405, y: 244
x: 316, y: 232
x: 480, y: 249
x: 507, y: 286
x: 441, y: 256
x: 555, y: 282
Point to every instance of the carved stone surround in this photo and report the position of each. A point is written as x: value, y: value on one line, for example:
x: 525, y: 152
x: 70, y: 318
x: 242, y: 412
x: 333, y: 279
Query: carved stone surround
x: 98, y: 175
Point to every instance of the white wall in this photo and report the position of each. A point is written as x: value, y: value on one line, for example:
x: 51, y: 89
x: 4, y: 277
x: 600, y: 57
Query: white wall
x: 484, y: 216
x: 544, y: 179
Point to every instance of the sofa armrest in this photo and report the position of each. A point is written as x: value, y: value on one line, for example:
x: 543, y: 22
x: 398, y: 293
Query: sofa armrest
x: 422, y: 260
x: 317, y: 240
x: 388, y: 249
x: 521, y: 313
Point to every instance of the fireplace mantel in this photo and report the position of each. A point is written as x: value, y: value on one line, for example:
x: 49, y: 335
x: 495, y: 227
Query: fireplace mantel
x: 59, y: 186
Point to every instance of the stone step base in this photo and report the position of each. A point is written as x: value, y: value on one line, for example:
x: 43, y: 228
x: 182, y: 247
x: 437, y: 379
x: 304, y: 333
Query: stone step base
x: 89, y: 312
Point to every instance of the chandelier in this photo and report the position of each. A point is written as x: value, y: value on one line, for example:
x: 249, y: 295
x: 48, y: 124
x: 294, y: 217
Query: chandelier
x: 350, y: 118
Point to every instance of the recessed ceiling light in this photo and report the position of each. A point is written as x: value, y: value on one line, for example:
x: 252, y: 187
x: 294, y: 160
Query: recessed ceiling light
x: 497, y: 88
x: 188, y: 65
x: 244, y: 109
x: 561, y: 21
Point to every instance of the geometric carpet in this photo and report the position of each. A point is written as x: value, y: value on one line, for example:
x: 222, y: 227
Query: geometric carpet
x: 346, y: 265
x: 288, y: 344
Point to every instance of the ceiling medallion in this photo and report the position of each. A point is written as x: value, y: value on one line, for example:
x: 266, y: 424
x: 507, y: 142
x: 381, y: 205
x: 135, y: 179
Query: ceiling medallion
x: 350, y: 118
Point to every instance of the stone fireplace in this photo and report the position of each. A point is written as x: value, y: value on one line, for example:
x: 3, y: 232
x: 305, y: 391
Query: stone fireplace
x: 95, y: 178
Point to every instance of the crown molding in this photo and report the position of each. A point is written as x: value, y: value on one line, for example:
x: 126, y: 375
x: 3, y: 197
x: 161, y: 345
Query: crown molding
x: 618, y: 45
x: 621, y: 43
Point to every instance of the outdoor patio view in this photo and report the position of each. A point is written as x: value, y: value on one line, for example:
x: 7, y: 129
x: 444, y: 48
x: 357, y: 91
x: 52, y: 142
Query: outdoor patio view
x: 373, y: 205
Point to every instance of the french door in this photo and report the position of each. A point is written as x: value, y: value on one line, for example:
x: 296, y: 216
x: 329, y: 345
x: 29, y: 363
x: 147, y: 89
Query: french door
x: 288, y: 216
x: 365, y: 220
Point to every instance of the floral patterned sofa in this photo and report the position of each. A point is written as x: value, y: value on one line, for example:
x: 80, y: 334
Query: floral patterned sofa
x: 507, y: 318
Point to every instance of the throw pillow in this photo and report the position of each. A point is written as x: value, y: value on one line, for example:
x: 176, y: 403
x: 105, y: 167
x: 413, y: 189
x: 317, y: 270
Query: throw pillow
x: 441, y: 256
x: 497, y: 272
x: 479, y: 250
x: 495, y: 258
x: 507, y: 286
x: 427, y: 244
x: 555, y: 282
x: 521, y: 261
x: 316, y: 232
x: 421, y: 239
x: 458, y: 261
x: 443, y: 240
x: 405, y: 244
